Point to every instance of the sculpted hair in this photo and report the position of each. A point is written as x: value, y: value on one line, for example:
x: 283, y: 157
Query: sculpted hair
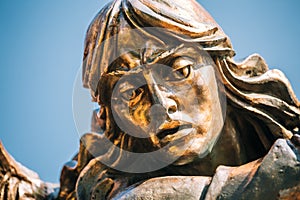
x: 194, y: 25
x: 266, y: 96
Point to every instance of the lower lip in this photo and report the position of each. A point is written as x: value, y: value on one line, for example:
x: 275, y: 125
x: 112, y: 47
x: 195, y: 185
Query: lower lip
x: 179, y: 134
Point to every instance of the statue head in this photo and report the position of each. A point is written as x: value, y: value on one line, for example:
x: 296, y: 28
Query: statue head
x: 161, y: 71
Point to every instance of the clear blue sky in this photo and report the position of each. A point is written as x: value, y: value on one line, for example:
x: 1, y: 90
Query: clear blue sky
x: 41, y: 51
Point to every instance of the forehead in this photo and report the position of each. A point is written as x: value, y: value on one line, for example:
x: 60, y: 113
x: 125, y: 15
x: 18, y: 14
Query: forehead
x: 152, y: 54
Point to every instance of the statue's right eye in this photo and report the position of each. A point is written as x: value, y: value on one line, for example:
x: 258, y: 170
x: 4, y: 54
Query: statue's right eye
x: 131, y: 94
x: 126, y: 95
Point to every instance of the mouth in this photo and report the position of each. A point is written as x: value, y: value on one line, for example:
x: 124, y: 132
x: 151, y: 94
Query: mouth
x: 169, y: 133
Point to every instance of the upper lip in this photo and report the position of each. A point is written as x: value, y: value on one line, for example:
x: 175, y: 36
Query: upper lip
x: 171, y: 128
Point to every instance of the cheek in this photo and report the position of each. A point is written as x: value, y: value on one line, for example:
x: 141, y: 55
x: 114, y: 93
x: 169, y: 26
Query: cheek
x: 202, y: 89
x: 198, y: 95
x: 139, y: 111
x: 199, y: 101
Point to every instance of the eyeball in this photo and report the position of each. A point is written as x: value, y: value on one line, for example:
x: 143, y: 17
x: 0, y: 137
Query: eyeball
x: 182, y: 68
x: 183, y: 72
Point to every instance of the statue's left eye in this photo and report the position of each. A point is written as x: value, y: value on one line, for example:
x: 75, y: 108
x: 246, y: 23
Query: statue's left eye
x: 183, y: 72
x: 181, y: 69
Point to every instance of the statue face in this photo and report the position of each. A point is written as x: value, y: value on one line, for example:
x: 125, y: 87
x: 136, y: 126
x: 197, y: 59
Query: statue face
x: 172, y: 98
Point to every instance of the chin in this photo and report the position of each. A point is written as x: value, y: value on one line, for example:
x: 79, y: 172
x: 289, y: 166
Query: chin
x: 187, y: 158
x: 193, y: 149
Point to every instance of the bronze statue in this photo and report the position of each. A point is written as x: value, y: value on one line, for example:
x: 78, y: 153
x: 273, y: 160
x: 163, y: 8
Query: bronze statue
x: 179, y: 118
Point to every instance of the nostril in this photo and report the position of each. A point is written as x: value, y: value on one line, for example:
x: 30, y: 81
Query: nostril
x: 172, y: 109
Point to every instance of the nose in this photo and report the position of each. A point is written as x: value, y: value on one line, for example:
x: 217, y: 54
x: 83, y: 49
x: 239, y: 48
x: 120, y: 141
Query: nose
x: 171, y: 106
x: 162, y: 95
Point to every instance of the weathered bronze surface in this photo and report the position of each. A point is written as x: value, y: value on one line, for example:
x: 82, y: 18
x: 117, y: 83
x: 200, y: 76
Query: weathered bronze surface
x: 18, y: 182
x: 164, y: 76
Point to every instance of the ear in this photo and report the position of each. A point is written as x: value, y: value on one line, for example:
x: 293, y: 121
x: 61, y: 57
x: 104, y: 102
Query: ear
x: 99, y: 120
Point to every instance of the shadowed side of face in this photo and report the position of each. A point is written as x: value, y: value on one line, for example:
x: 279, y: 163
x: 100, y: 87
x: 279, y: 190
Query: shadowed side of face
x: 169, y: 95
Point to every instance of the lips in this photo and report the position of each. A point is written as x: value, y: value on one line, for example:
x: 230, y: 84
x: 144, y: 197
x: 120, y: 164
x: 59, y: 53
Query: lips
x: 173, y: 130
x: 163, y: 133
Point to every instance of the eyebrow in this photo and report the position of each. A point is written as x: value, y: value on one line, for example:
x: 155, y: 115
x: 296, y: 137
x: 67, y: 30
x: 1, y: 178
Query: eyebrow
x: 156, y: 57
